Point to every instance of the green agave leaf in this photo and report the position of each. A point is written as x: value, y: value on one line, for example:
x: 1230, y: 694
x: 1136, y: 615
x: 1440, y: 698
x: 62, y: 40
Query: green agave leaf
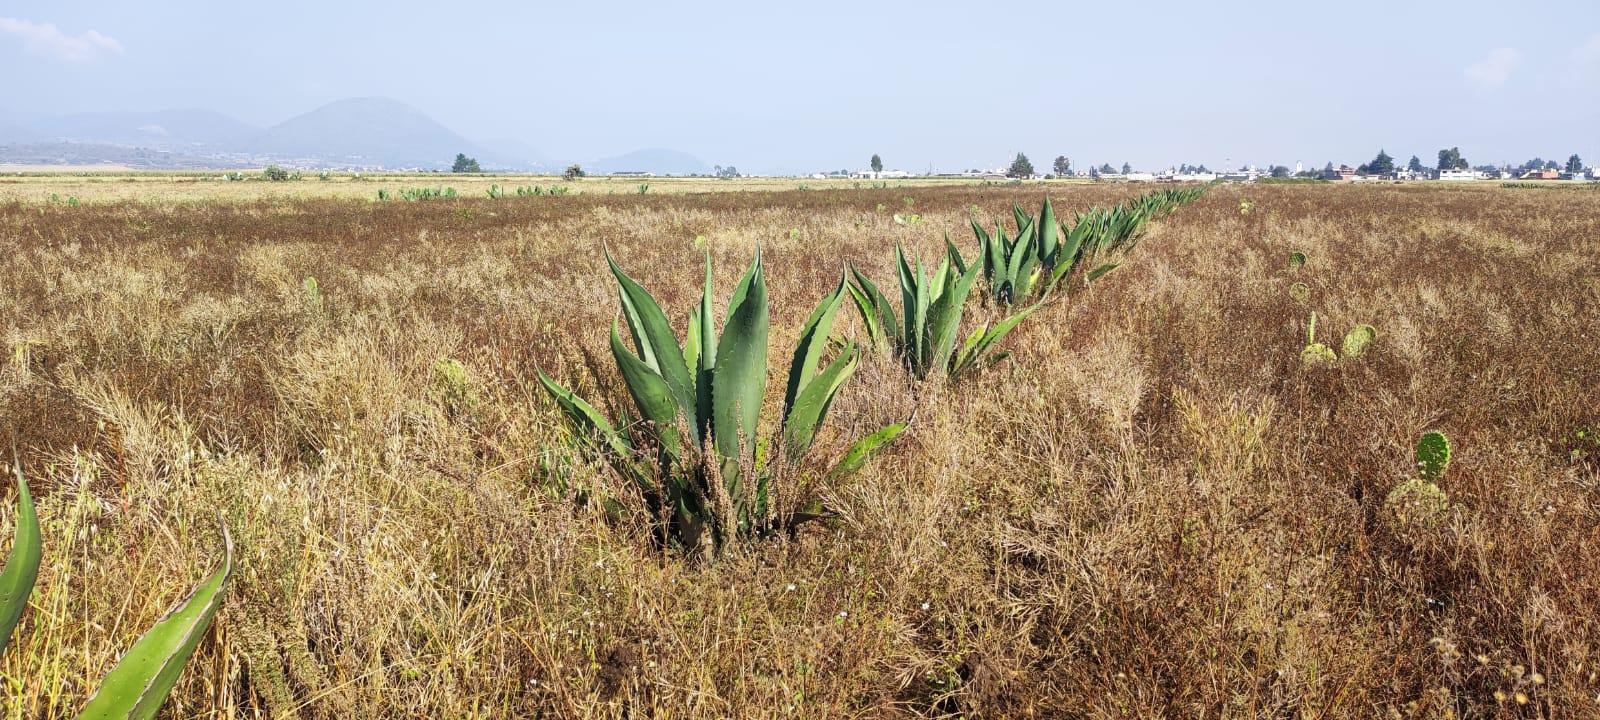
x: 138, y: 685
x: 944, y: 319
x: 865, y: 449
x: 706, y: 331
x: 879, y: 303
x: 651, y: 395
x: 963, y: 357
x: 992, y: 336
x: 1049, y: 233
x: 811, y: 406
x: 22, y: 565
x: 1095, y: 274
x: 813, y: 340
x: 589, y: 422
x: 954, y: 255
x: 869, y: 316
x: 909, y: 292
x: 652, y: 335
x: 740, y: 377
x: 691, y: 342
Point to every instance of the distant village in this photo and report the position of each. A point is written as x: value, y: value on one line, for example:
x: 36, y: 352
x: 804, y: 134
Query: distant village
x: 1450, y: 168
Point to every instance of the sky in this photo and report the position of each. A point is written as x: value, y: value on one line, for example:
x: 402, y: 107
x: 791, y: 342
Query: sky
x: 822, y: 85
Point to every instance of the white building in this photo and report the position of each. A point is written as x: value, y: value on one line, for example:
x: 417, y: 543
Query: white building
x: 1458, y: 175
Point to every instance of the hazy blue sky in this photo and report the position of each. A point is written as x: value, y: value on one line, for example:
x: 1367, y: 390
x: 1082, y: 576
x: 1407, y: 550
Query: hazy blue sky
x: 822, y: 84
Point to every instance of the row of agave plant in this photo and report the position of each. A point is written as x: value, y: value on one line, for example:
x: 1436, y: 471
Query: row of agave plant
x: 690, y: 444
x: 694, y: 450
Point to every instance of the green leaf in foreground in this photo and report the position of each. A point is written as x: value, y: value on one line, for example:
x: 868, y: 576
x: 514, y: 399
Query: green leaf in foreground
x: 22, y: 566
x: 138, y: 685
x: 865, y: 448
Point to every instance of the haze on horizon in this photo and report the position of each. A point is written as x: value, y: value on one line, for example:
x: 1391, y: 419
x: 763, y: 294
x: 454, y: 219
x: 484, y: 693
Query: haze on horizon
x: 824, y: 85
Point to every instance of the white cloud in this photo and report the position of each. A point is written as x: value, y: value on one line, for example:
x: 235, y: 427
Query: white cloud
x: 1494, y: 69
x: 46, y: 40
x: 1586, y: 62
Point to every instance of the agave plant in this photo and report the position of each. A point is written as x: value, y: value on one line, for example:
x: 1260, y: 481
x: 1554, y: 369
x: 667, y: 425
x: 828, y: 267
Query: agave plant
x: 694, y: 452
x: 141, y: 680
x: 924, y: 337
x: 1044, y: 250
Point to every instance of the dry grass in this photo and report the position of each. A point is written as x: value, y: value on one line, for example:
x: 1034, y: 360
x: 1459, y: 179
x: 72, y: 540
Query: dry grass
x: 1152, y: 510
x: 174, y: 187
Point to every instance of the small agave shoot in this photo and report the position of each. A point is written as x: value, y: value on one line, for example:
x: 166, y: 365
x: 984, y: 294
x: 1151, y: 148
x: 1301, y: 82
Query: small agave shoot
x: 923, y: 338
x: 694, y: 453
x: 141, y: 680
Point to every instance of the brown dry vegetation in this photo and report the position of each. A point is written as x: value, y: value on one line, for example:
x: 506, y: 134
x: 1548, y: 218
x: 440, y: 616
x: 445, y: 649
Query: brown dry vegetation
x: 1153, y: 509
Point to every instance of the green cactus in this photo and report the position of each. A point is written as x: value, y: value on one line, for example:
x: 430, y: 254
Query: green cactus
x: 1300, y: 293
x: 1316, y: 353
x: 1297, y: 260
x: 1433, y: 455
x: 1357, y: 340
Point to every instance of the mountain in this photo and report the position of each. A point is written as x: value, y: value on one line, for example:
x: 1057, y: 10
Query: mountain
x: 183, y: 130
x: 365, y: 132
x: 652, y: 160
x: 77, y: 154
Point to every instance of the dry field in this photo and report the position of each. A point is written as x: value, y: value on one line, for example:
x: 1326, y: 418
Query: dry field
x: 1152, y: 509
x: 175, y: 187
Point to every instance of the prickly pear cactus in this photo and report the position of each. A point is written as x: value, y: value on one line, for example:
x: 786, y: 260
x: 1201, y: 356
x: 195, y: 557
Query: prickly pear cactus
x: 1357, y: 340
x: 1417, y: 503
x: 1316, y: 353
x: 1300, y: 292
x: 1433, y: 455
x: 1297, y: 260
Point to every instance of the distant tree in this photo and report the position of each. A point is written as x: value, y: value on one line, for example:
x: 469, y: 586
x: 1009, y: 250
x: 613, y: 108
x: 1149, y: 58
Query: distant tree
x: 1381, y: 165
x: 1551, y: 165
x: 1106, y: 169
x: 1126, y: 168
x: 1574, y: 164
x: 877, y: 163
x: 1063, y: 166
x: 465, y: 164
x: 276, y: 174
x: 1020, y: 167
x: 728, y: 172
x: 1328, y: 169
x: 1415, y: 165
x: 1279, y: 171
x: 574, y: 171
x: 1451, y: 160
x: 1364, y: 169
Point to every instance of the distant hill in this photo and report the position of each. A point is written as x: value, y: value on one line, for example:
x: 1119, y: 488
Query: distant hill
x: 70, y: 154
x: 365, y: 132
x: 652, y: 160
x: 355, y: 132
x: 184, y: 130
